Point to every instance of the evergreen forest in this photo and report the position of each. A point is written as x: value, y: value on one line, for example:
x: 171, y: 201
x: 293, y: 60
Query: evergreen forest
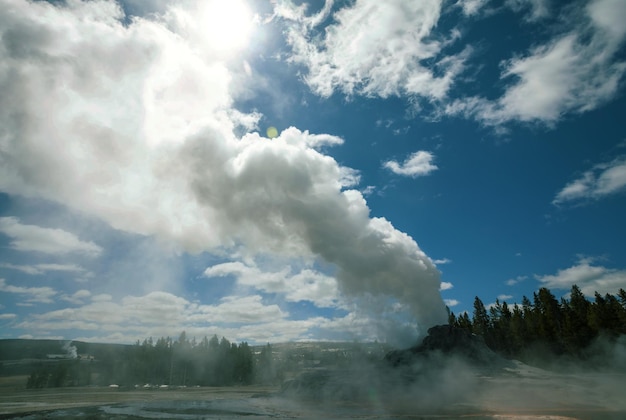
x: 164, y: 362
x: 545, y: 327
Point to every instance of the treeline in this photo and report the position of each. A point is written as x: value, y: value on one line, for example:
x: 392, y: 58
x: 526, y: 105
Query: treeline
x: 563, y: 327
x: 182, y: 362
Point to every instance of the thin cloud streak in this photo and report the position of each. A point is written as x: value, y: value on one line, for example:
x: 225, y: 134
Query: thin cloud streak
x: 601, y: 181
x: 39, y: 269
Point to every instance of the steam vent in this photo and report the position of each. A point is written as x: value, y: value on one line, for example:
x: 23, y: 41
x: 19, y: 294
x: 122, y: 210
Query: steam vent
x: 407, y: 374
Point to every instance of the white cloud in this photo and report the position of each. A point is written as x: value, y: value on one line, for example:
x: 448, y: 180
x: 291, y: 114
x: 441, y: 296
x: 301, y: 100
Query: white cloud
x: 445, y: 286
x: 373, y: 48
x: 45, y: 240
x: 442, y: 261
x: 451, y: 302
x: 587, y: 277
x: 574, y: 72
x: 417, y: 164
x: 307, y: 284
x: 504, y: 297
x: 31, y: 294
x: 602, y: 180
x: 7, y: 317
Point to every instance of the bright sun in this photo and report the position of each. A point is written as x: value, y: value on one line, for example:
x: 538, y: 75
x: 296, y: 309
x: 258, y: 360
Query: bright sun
x: 227, y: 23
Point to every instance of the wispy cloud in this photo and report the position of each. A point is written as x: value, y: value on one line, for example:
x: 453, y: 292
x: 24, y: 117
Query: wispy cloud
x: 38, y: 269
x: 45, y: 240
x: 28, y: 269
x: 574, y: 72
x: 536, y: 9
x: 373, y: 48
x: 30, y: 294
x: 368, y: 190
x: 589, y: 278
x: 471, y: 7
x: 417, y: 164
x: 516, y: 280
x: 600, y: 181
x: 78, y: 297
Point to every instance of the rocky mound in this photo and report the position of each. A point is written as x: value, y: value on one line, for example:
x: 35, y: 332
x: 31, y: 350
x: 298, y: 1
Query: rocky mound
x: 448, y: 340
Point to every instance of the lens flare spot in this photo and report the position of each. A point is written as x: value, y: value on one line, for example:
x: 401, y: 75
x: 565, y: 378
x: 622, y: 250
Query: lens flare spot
x: 272, y: 132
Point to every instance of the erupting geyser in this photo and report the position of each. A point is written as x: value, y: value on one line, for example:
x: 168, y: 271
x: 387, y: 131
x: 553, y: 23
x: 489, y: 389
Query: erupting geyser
x: 167, y: 155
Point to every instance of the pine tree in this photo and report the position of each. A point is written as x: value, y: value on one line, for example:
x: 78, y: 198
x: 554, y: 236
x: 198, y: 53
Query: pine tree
x: 548, y: 314
x: 517, y: 330
x: 465, y: 322
x: 577, y: 334
x: 480, y: 320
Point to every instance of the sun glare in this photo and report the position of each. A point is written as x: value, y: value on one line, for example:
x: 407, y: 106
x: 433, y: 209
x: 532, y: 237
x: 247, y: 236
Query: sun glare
x: 227, y: 23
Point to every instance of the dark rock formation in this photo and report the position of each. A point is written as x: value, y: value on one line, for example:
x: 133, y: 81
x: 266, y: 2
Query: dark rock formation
x: 448, y: 340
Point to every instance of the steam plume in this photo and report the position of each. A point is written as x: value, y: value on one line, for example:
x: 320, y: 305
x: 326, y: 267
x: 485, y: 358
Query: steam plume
x: 133, y: 124
x: 70, y: 350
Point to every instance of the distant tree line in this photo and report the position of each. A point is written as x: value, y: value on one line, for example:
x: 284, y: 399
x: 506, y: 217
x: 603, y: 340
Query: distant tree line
x: 182, y: 362
x: 563, y: 327
x: 59, y: 373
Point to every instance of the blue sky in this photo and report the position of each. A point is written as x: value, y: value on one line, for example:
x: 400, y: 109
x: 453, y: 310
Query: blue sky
x: 425, y: 152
